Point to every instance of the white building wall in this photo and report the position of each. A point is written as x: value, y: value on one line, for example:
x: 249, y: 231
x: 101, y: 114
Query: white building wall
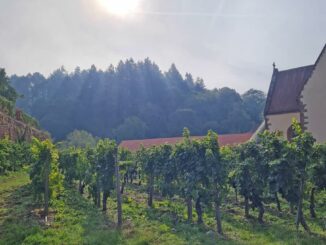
x: 314, y: 101
x: 281, y: 122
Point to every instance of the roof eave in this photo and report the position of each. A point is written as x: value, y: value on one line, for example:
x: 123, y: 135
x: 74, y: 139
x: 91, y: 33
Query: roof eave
x: 282, y: 112
x: 270, y: 91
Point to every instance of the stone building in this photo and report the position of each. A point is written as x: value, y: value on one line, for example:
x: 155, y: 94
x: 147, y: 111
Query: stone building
x: 298, y: 93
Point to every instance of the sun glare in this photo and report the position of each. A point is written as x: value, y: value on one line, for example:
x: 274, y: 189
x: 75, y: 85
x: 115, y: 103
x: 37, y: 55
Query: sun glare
x: 120, y: 8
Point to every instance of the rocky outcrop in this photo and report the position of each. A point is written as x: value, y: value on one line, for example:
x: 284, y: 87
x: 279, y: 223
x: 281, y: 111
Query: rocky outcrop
x: 17, y: 130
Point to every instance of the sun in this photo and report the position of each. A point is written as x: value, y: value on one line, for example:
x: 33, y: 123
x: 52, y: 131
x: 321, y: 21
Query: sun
x: 121, y: 8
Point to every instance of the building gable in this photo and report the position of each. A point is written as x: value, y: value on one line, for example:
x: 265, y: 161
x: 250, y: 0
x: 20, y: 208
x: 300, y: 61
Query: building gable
x: 285, y: 89
x: 313, y: 101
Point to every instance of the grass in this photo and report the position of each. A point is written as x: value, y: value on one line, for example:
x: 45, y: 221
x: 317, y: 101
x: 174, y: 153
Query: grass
x: 74, y: 220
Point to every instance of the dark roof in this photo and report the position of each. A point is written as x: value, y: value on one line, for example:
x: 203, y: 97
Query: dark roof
x: 285, y: 89
x: 226, y: 139
x: 286, y: 86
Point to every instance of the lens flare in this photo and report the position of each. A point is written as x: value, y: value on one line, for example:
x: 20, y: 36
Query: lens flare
x: 121, y: 8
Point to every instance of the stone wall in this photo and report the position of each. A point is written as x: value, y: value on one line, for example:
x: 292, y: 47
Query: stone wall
x: 17, y: 130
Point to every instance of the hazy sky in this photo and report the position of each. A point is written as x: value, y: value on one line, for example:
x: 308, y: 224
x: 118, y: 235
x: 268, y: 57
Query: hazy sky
x: 226, y: 42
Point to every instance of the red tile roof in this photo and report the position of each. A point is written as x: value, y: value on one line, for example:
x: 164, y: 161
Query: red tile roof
x: 226, y: 139
x: 285, y: 89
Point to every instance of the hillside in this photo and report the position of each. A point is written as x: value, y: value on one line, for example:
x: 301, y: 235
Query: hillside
x: 135, y: 100
x: 15, y: 123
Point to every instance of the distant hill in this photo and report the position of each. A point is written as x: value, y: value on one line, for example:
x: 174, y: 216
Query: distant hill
x: 135, y: 100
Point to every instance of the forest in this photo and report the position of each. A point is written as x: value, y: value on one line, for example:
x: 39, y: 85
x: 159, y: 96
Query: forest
x: 134, y: 100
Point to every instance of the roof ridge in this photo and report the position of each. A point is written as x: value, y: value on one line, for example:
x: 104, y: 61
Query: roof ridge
x: 321, y: 54
x: 305, y: 83
x: 270, y: 90
x: 297, y: 68
x: 192, y: 136
x: 226, y: 139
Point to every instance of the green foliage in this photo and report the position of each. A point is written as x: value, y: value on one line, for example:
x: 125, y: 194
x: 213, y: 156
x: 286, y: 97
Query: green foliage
x: 75, y: 163
x: 252, y: 173
x: 67, y: 164
x: 302, y: 149
x: 92, y: 167
x: 215, y: 166
x: 45, y: 166
x: 317, y: 171
x: 8, y: 97
x: 106, y: 151
x: 6, y: 90
x: 184, y: 157
x: 6, y: 106
x: 30, y: 120
x: 13, y: 156
x: 192, y: 171
x: 254, y: 103
x: 131, y: 128
x: 79, y: 139
x: 278, y: 155
x: 127, y: 165
x: 76, y: 221
x: 124, y: 154
x: 167, y: 171
x: 135, y: 100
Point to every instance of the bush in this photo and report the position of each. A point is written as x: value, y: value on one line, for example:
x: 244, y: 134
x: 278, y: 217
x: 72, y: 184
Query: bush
x: 6, y: 106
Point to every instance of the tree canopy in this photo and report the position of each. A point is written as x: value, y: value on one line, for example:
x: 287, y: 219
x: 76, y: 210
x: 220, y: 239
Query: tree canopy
x: 135, y: 100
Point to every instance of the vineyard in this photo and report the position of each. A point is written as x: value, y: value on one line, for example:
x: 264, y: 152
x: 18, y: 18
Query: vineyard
x: 138, y: 122
x: 268, y: 191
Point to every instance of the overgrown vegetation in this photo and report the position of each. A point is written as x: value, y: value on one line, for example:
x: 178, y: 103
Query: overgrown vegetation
x: 8, y: 94
x: 30, y: 120
x: 13, y: 156
x: 6, y: 106
x: 6, y: 90
x: 8, y: 98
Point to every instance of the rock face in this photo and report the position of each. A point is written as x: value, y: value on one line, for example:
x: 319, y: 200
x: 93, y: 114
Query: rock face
x: 17, y: 130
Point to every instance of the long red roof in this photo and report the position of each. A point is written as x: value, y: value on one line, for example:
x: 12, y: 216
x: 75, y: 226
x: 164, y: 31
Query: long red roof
x: 223, y: 140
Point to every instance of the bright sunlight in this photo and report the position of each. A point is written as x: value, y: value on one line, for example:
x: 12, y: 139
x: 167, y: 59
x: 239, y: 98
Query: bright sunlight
x: 121, y: 8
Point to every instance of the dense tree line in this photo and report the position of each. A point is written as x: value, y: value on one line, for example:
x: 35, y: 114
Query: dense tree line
x: 134, y: 100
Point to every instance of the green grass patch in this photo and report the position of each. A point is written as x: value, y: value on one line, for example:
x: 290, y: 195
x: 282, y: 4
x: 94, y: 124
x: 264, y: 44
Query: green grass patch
x: 75, y: 220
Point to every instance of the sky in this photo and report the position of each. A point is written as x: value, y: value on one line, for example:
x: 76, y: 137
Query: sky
x: 229, y: 43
